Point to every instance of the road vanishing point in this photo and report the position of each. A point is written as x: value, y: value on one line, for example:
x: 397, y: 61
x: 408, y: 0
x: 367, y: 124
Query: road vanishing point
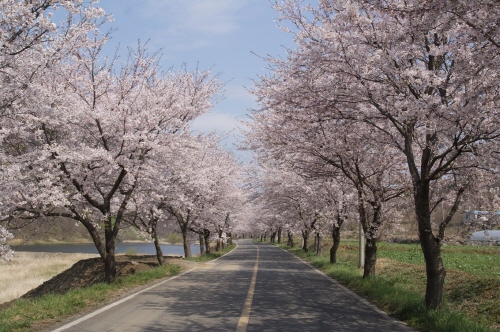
x: 256, y: 287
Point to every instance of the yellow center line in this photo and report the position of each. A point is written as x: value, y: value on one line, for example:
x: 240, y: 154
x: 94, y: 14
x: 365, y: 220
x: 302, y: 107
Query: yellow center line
x: 245, y: 314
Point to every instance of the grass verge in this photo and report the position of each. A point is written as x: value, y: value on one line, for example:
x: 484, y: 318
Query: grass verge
x: 471, y: 301
x: 212, y: 255
x: 32, y: 315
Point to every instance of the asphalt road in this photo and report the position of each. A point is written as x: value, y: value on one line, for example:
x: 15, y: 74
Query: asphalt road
x: 256, y: 287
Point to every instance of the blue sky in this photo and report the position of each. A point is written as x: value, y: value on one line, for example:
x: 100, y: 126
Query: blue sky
x: 221, y: 35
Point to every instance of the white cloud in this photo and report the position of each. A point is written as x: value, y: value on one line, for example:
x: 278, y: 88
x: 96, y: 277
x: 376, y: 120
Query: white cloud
x: 221, y: 123
x: 213, y: 17
x: 236, y: 91
x: 188, y: 24
x: 228, y: 127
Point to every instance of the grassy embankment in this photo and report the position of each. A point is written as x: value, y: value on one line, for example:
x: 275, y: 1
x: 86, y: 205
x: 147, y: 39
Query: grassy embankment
x: 28, y: 270
x: 32, y: 315
x: 472, y: 288
x: 213, y: 254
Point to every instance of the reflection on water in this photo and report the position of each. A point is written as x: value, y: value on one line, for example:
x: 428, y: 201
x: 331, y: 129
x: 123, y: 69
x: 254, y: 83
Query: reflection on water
x: 89, y: 248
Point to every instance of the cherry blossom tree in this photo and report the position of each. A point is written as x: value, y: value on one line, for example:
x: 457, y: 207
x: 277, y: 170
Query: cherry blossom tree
x: 146, y: 216
x: 196, y: 183
x: 298, y: 128
x: 31, y: 40
x: 287, y: 190
x: 250, y: 213
x: 292, y: 203
x: 149, y: 200
x: 31, y: 43
x: 423, y: 75
x: 220, y: 211
x: 342, y: 204
x: 94, y: 140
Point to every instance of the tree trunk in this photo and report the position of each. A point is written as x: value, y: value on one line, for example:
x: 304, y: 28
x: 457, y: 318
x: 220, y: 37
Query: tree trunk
x: 106, y: 250
x: 217, y: 245
x: 202, y: 245
x: 109, y: 268
x: 318, y: 244
x: 290, y: 239
x: 431, y: 249
x: 109, y: 261
x: 370, y: 258
x: 185, y: 242
x: 434, y: 270
x: 305, y: 236
x: 336, y: 243
x: 229, y: 239
x: 279, y: 235
x: 220, y: 243
x: 206, y: 237
x: 363, y: 224
x: 159, y: 252
x: 371, y: 235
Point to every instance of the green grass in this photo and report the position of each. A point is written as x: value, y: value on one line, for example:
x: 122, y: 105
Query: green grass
x: 472, y: 296
x: 131, y: 251
x: 480, y: 261
x: 31, y: 315
x: 212, y: 255
x: 484, y: 262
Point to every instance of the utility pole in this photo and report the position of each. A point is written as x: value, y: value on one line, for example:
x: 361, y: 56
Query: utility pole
x: 442, y: 210
x: 361, y: 247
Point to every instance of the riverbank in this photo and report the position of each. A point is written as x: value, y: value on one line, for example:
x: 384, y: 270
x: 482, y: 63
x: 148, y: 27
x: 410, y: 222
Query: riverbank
x: 146, y: 248
x: 19, y: 242
x: 27, y: 270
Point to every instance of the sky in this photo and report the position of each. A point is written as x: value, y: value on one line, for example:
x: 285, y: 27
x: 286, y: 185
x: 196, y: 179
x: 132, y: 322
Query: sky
x: 229, y: 37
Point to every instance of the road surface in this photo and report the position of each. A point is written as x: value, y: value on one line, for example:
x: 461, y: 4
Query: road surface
x: 256, y: 287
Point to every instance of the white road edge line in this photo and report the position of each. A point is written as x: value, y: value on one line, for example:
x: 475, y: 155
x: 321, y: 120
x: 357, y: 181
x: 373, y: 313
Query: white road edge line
x: 109, y: 306
x: 227, y: 253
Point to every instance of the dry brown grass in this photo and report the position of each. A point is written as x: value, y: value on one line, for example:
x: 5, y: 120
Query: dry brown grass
x: 28, y: 270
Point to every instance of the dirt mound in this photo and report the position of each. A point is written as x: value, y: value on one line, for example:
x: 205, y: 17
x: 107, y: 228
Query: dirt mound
x: 90, y: 271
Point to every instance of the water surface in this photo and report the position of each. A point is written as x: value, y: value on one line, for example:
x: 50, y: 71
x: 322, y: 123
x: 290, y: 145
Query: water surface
x: 89, y: 248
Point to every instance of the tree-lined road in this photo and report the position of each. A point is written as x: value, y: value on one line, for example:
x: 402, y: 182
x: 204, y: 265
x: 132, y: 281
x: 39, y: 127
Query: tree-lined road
x: 282, y: 293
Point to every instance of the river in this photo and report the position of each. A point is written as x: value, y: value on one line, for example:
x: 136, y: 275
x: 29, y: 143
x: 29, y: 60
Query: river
x: 89, y: 248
